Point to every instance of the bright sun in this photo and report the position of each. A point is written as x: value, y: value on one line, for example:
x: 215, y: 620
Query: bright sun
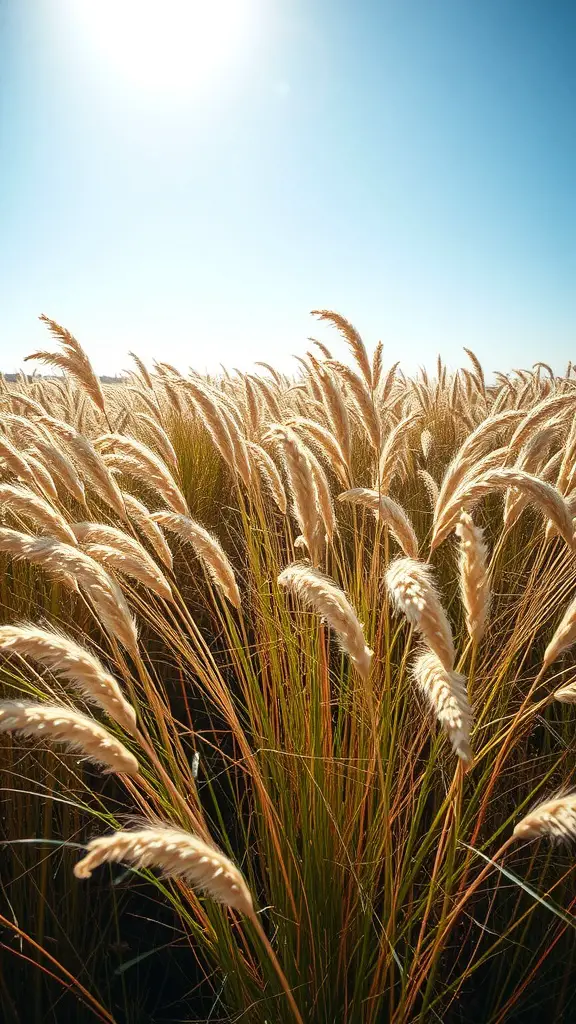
x: 166, y: 44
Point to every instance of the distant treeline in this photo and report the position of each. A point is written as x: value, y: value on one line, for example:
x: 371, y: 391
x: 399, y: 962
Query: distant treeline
x: 13, y: 377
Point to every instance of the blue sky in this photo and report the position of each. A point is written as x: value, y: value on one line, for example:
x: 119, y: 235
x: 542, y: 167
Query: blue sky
x: 410, y: 163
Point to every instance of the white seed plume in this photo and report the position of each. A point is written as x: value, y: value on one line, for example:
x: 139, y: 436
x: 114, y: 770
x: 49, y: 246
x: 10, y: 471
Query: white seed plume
x: 160, y: 438
x: 63, y: 559
x: 564, y: 636
x: 140, y: 515
x: 88, y: 461
x: 329, y: 601
x: 29, y: 505
x: 116, y: 550
x: 127, y: 451
x: 60, y: 724
x: 537, y: 491
x: 412, y: 590
x: 67, y: 659
x: 208, y: 549
x: 177, y: 854
x: 302, y: 486
x: 446, y: 694
x: 269, y: 474
x: 556, y: 818
x: 566, y: 694
x: 474, y: 580
x: 388, y: 512
x: 42, y: 478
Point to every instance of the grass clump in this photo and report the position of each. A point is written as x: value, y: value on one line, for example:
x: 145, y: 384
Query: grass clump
x: 339, y: 734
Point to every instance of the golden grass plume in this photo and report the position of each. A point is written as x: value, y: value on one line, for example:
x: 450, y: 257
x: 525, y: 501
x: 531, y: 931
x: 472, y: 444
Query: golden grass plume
x: 78, y: 732
x: 330, y: 602
x: 177, y: 854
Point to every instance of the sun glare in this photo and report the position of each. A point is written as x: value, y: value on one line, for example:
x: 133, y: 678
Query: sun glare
x: 166, y: 44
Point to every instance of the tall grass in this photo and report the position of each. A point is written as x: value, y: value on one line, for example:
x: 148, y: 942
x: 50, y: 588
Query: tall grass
x: 347, y: 704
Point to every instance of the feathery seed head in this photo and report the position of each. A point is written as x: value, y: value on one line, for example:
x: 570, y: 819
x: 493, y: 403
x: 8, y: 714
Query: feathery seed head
x: 208, y: 549
x: 474, y: 581
x: 64, y: 725
x: 564, y: 636
x: 141, y: 515
x: 389, y: 512
x: 555, y: 818
x: 59, y: 558
x: 28, y: 504
x: 178, y: 854
x: 329, y: 601
x: 145, y: 463
x: 446, y: 694
x: 303, y: 486
x: 412, y: 589
x: 72, y: 360
x: 566, y: 694
x: 115, y: 549
x: 69, y: 660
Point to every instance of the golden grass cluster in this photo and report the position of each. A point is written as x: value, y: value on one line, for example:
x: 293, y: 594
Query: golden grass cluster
x: 304, y: 558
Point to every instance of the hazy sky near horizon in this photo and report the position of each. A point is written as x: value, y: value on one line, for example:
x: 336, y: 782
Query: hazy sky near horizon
x: 410, y: 163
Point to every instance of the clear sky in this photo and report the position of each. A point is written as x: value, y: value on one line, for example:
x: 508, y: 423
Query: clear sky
x: 410, y: 163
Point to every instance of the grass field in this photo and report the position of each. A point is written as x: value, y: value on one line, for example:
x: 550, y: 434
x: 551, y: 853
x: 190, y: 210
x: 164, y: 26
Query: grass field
x: 309, y: 637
